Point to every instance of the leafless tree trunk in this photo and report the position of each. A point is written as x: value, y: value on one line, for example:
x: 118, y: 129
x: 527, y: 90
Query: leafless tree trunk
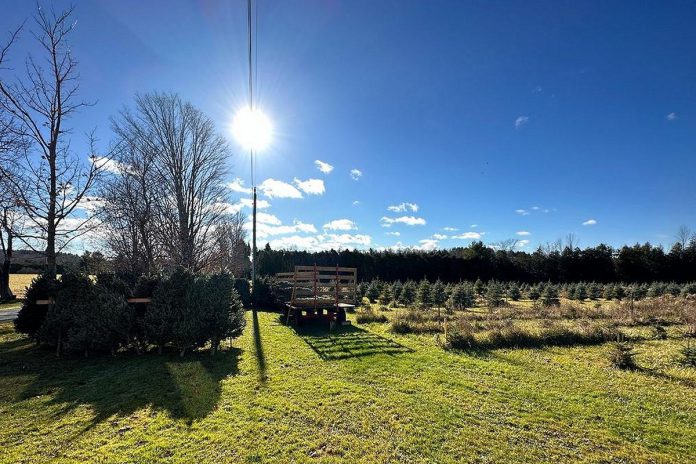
x: 50, y: 182
x: 683, y: 236
x: 188, y: 165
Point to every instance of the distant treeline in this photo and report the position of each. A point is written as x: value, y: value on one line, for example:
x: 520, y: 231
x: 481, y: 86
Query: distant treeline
x: 637, y: 263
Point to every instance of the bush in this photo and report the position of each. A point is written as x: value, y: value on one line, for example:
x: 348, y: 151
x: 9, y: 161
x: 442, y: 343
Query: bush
x: 549, y: 297
x: 414, y: 321
x: 243, y: 290
x: 368, y: 316
x: 220, y: 308
x: 494, y: 295
x: 622, y: 355
x: 460, y: 335
x: 688, y: 355
x: 31, y: 315
x: 166, y: 318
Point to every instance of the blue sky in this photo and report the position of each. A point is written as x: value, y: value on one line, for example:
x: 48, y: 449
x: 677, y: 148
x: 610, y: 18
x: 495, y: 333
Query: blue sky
x: 494, y: 118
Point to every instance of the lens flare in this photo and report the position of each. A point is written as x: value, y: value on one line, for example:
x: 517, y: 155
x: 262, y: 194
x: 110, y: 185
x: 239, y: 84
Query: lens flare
x: 252, y: 129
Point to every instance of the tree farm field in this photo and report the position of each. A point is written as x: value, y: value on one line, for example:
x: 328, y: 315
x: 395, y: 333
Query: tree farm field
x: 360, y: 393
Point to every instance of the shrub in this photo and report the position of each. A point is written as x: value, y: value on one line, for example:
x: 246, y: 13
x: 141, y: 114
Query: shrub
x: 688, y: 289
x: 534, y: 293
x: 659, y: 332
x: 622, y: 355
x: 373, y: 291
x: 31, y: 315
x: 243, y: 289
x: 368, y: 316
x: 413, y: 321
x: 460, y: 335
x: 513, y: 291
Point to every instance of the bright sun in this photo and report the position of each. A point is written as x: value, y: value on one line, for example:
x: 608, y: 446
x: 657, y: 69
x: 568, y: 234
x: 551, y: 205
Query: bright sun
x: 252, y: 129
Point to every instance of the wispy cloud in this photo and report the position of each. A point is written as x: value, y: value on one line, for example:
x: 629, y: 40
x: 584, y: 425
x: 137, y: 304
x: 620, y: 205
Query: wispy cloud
x: 237, y: 185
x: 266, y: 218
x: 468, y: 236
x: 523, y: 233
x: 473, y: 226
x: 671, y: 116
x: 340, y: 224
x: 427, y: 244
x: 522, y: 243
x: 522, y: 212
x: 394, y: 233
x: 450, y: 229
x: 590, y: 222
x: 408, y: 220
x: 273, y: 188
x: 439, y: 236
x: 108, y: 165
x: 310, y: 186
x: 355, y: 174
x: 268, y: 226
x: 403, y: 207
x: 521, y: 121
x: 326, y: 168
x: 356, y: 203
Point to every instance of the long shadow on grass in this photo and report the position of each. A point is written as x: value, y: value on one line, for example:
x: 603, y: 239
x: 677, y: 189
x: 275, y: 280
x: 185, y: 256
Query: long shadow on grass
x: 258, y: 347
x: 345, y: 342
x: 186, y: 388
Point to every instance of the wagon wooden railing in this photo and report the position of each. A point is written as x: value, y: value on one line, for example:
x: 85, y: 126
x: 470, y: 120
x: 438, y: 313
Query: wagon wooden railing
x: 320, y: 292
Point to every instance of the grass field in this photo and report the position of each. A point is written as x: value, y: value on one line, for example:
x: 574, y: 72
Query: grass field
x: 361, y: 394
x: 19, y: 283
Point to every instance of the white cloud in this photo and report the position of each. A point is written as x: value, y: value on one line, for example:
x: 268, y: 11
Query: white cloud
x: 522, y: 243
x: 590, y: 222
x: 108, y: 165
x: 278, y: 189
x: 450, y: 229
x: 356, y: 203
x: 427, y: 244
x: 395, y: 233
x: 473, y: 226
x: 355, y: 174
x: 340, y: 224
x: 671, y: 116
x: 272, y: 226
x: 403, y: 207
x: 249, y: 203
x: 237, y: 185
x: 322, y: 242
x: 468, y: 236
x: 326, y: 168
x: 521, y: 121
x: 522, y: 212
x: 310, y: 186
x: 408, y: 220
x: 265, y: 218
x: 439, y: 236
x: 523, y: 233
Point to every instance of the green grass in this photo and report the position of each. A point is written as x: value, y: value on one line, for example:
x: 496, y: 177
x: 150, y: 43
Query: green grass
x: 359, y: 394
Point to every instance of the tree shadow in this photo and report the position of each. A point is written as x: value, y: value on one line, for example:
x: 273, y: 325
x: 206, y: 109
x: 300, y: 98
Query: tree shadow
x: 186, y: 388
x: 345, y: 342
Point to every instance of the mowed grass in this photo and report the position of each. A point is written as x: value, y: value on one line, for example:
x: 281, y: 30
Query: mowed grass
x: 360, y: 394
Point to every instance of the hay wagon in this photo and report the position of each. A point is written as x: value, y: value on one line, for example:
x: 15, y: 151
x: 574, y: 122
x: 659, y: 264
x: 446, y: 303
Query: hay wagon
x: 319, y: 292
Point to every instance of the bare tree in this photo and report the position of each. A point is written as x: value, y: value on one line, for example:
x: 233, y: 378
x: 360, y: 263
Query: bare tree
x: 50, y: 181
x: 508, y: 244
x: 129, y: 197
x: 188, y: 165
x: 232, y: 251
x: 684, y: 235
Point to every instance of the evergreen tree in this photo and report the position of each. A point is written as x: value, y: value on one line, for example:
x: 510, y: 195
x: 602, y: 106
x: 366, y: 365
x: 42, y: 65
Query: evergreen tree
x: 461, y: 297
x: 373, y: 291
x: 619, y: 292
x: 408, y: 293
x: 656, y: 289
x: 593, y: 291
x: 479, y: 288
x: 438, y: 294
x: 396, y: 291
x: 424, y: 294
x: 580, y: 292
x: 494, y: 294
x: 534, y: 293
x: 549, y: 297
x: 514, y: 291
x: 673, y: 289
x: 387, y: 295
x: 608, y: 292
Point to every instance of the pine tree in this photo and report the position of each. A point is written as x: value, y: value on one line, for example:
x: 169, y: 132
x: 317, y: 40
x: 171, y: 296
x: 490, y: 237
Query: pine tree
x: 549, y: 296
x: 396, y: 291
x: 594, y: 291
x: 534, y: 293
x: 387, y: 295
x: 479, y: 288
x: 580, y: 292
x: 408, y: 293
x: 424, y: 295
x: 439, y: 294
x: 461, y: 297
x: 494, y: 294
x: 514, y: 291
x: 373, y: 291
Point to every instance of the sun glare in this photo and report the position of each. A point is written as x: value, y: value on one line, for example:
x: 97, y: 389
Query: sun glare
x: 252, y: 129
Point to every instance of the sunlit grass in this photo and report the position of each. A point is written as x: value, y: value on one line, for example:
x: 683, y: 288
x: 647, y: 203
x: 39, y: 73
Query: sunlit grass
x: 359, y: 394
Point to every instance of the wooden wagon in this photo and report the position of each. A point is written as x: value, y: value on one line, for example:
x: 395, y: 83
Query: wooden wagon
x: 319, y: 292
